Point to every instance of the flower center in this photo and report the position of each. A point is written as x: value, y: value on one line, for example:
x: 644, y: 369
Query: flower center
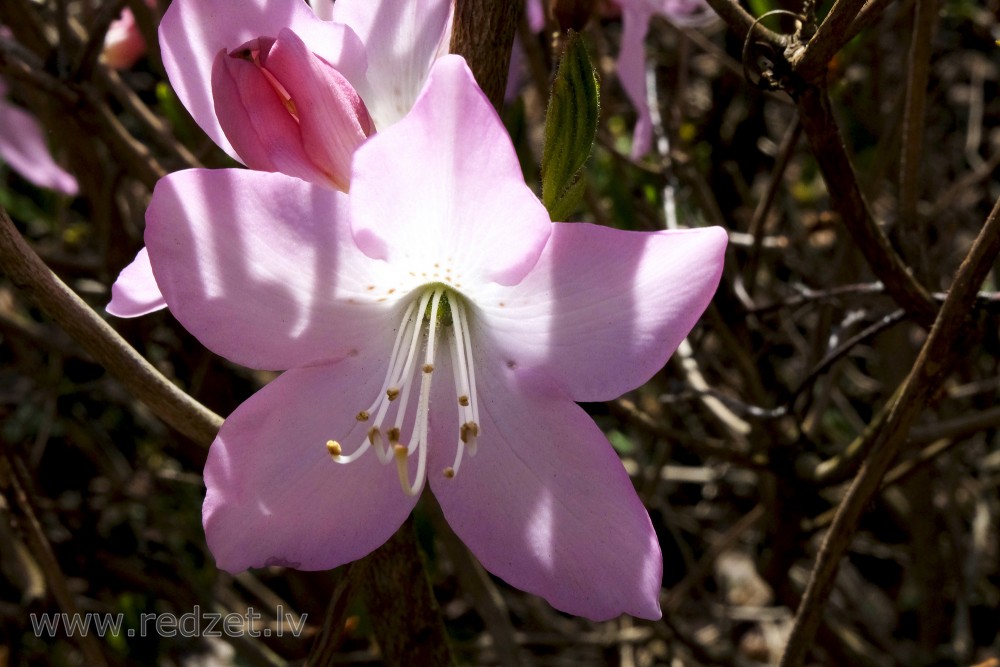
x: 437, y: 308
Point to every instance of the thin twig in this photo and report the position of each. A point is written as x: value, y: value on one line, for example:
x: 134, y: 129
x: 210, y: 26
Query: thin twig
x: 938, y: 354
x: 911, y: 158
x: 59, y: 302
x: 810, y: 63
x: 39, y: 545
x: 828, y: 147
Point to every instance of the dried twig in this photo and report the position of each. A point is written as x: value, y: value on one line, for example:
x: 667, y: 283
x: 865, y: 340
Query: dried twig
x: 938, y: 353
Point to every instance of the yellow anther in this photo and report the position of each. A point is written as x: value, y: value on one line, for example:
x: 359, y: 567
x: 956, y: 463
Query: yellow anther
x: 449, y: 472
x: 374, y: 434
x: 468, y: 429
x: 334, y: 448
x: 463, y: 400
x: 362, y: 416
x: 392, y: 393
x: 393, y: 436
x: 401, y: 451
x: 428, y: 368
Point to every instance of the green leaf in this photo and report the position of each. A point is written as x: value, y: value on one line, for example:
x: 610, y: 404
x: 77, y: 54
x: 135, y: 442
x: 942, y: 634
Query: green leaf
x: 570, y: 128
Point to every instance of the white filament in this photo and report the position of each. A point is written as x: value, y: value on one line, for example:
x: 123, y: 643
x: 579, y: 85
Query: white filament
x: 398, y: 384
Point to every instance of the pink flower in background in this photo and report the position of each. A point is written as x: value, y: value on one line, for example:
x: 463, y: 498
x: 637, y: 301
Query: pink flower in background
x: 636, y: 15
x: 434, y: 314
x: 24, y: 149
x: 123, y: 43
x: 279, y: 89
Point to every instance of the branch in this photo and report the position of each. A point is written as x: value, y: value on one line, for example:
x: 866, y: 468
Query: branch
x: 483, y: 34
x: 59, y: 302
x: 828, y: 148
x: 939, y: 353
x: 405, y: 616
x: 810, y: 63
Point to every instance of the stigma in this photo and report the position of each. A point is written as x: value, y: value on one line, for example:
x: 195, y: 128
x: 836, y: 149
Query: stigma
x: 437, y: 316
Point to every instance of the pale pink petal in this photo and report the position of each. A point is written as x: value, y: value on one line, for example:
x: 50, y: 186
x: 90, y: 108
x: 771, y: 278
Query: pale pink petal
x: 136, y: 293
x: 535, y: 13
x: 332, y: 118
x: 402, y: 40
x: 261, y: 268
x: 603, y: 309
x: 688, y: 13
x: 632, y: 73
x: 275, y: 495
x: 193, y: 32
x: 546, y: 504
x: 23, y: 148
x: 443, y: 187
x: 323, y: 9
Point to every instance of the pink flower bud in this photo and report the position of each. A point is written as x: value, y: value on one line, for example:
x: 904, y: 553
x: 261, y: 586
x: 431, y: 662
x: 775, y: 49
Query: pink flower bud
x: 123, y: 43
x: 285, y: 109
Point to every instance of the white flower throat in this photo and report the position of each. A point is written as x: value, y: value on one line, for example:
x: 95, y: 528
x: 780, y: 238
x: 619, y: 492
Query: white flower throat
x: 437, y: 308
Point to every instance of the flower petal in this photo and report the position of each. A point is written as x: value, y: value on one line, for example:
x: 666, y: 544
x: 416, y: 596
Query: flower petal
x: 192, y: 32
x: 546, y: 504
x: 262, y: 269
x: 458, y: 195
x: 401, y: 41
x: 256, y: 121
x: 123, y: 42
x: 22, y: 146
x: 604, y: 309
x: 275, y: 496
x: 688, y: 13
x: 632, y: 73
x: 135, y: 292
x: 332, y: 118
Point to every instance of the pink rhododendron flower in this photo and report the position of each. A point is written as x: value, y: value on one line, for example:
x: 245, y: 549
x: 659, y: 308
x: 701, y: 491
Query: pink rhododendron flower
x: 636, y: 15
x: 123, y: 43
x: 279, y: 89
x: 24, y: 149
x: 437, y: 328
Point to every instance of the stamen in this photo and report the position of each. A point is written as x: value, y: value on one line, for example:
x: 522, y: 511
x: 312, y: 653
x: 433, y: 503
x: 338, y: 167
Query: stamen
x: 393, y: 358
x: 470, y: 435
x: 376, y: 440
x: 399, y: 384
x: 472, y: 366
